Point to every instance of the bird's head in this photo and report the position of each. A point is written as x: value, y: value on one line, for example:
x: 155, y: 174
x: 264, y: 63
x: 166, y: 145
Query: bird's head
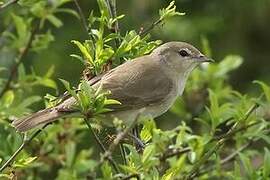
x: 180, y: 56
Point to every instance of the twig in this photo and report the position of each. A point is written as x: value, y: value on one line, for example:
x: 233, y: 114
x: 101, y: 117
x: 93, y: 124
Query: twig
x: 102, y: 147
x: 113, y: 163
x: 208, y: 154
x: 148, y: 29
x: 225, y: 160
x: 24, y: 143
x: 111, y: 5
x: 82, y: 17
x: 175, y: 152
x: 235, y: 153
x: 19, y: 61
x: 8, y: 4
x: 235, y: 130
x: 123, y: 153
x: 137, y: 176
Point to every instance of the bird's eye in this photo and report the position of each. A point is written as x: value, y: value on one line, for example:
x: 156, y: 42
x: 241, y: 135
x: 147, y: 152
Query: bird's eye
x: 183, y: 53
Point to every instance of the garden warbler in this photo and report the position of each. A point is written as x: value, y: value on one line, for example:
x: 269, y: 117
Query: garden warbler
x: 148, y: 85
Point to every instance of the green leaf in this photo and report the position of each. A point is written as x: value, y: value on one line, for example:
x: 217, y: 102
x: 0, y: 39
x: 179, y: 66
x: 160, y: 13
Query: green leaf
x: 85, y: 52
x: 265, y: 88
x: 68, y: 88
x: 111, y: 102
x: 106, y: 171
x: 230, y: 63
x: 206, y: 46
x: 48, y: 83
x: 24, y: 162
x: 266, y: 164
x: 29, y: 101
x: 68, y: 11
x: 70, y: 150
x: 147, y: 130
x: 246, y: 164
x: 148, y: 152
x: 169, y: 11
x: 27, y: 3
x: 55, y: 21
x: 21, y: 27
x: 8, y: 98
x: 42, y: 41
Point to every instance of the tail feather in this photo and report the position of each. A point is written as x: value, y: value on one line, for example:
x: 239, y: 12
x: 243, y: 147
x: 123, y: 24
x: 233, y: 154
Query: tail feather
x: 36, y: 119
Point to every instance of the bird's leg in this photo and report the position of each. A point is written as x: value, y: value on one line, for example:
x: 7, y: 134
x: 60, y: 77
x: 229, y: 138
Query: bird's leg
x: 135, y: 135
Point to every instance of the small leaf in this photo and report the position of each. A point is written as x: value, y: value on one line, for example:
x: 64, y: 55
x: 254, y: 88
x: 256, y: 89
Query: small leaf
x: 266, y: 164
x: 84, y: 51
x: 148, y: 153
x: 266, y: 89
x: 8, y: 98
x: 106, y: 171
x: 67, y: 86
x: 55, y: 21
x: 230, y: 63
x: 111, y: 102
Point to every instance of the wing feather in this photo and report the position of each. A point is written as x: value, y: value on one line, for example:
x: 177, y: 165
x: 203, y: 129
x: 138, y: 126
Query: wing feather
x: 137, y: 88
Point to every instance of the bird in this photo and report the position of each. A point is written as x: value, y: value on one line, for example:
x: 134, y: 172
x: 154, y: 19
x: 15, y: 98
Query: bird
x: 148, y: 85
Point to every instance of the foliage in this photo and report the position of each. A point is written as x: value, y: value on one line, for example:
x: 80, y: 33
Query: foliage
x: 221, y: 133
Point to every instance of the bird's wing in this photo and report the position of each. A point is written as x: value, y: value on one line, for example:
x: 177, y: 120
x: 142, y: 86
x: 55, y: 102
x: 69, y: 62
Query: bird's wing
x: 137, y: 84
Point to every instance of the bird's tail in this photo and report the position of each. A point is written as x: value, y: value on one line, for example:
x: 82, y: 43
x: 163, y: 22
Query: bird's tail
x: 36, y: 119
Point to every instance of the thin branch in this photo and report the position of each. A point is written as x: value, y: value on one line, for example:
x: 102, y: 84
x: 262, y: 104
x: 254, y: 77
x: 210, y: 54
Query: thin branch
x: 220, y: 143
x: 137, y: 176
x: 123, y: 153
x: 111, y: 5
x: 25, y: 142
x: 18, y: 62
x: 235, y: 153
x: 174, y: 152
x: 82, y: 17
x: 113, y: 163
x: 102, y: 147
x: 226, y: 159
x: 150, y: 28
x: 11, y: 2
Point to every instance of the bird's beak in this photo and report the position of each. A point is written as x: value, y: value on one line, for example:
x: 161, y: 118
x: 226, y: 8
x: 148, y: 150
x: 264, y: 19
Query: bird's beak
x: 205, y: 59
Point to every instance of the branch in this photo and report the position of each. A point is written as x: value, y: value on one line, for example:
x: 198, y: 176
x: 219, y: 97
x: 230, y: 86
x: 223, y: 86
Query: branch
x: 137, y: 176
x: 113, y: 163
x: 11, y: 2
x: 175, y: 152
x: 18, y: 62
x: 111, y: 5
x: 226, y: 159
x: 148, y: 29
x: 24, y: 143
x: 82, y: 17
x: 208, y: 154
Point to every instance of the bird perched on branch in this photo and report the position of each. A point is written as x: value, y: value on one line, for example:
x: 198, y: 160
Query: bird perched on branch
x: 151, y: 82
